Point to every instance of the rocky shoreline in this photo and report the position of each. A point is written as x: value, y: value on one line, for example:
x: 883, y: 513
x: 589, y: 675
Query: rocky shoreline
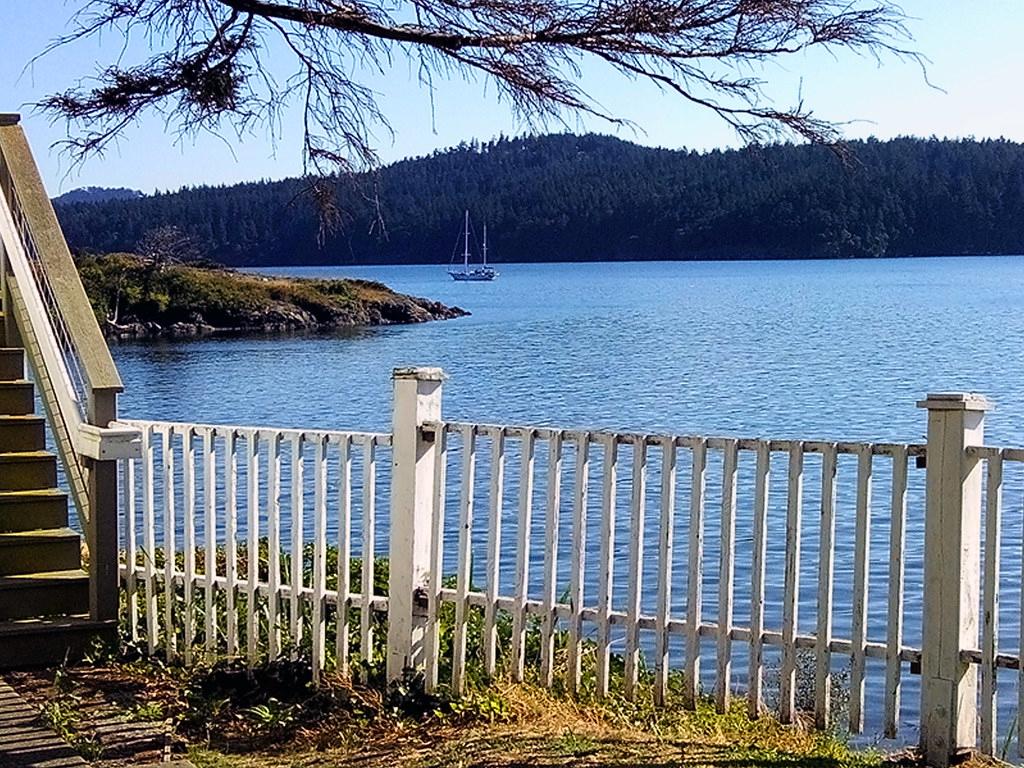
x: 135, y: 299
x: 291, y: 319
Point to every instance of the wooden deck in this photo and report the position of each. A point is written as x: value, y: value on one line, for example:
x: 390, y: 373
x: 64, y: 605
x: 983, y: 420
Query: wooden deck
x: 24, y: 743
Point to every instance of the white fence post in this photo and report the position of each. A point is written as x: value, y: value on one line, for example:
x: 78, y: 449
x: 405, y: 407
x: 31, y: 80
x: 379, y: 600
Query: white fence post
x: 417, y: 399
x: 949, y: 686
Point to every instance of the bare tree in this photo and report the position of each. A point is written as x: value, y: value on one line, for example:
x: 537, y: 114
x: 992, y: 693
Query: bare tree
x: 166, y: 245
x: 208, y: 67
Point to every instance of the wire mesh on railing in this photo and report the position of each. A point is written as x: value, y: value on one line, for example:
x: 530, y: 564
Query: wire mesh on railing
x: 73, y: 368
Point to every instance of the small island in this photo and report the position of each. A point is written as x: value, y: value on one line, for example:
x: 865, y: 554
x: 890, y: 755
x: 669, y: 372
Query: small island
x: 136, y: 297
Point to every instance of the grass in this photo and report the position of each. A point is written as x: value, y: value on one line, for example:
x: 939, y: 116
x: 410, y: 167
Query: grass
x: 547, y: 729
x: 271, y: 715
x: 227, y: 716
x: 231, y: 717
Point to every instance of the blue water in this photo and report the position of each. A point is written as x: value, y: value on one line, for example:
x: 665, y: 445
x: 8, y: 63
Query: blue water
x: 832, y: 350
x: 822, y: 349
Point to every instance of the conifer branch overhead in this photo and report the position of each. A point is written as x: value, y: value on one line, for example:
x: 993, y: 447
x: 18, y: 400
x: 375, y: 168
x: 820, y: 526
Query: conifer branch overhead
x: 210, y: 66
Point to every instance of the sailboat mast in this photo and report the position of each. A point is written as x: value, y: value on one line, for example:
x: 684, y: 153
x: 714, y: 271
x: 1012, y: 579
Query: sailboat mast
x: 465, y: 253
x: 485, y: 245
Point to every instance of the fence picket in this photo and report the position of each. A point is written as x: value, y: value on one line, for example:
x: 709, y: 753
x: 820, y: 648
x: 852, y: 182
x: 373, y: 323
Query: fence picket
x: 369, y: 549
x: 578, y: 560
x: 666, y: 531
x: 894, y: 634
x: 695, y: 592
x: 274, y: 546
x: 170, y: 546
x: 551, y: 521
x: 344, y: 599
x: 297, y: 512
x: 826, y: 572
x: 638, y: 501
x: 990, y: 611
x: 861, y: 572
x: 464, y: 562
x: 607, y: 555
x: 496, y: 501
x: 188, y: 481
x: 252, y: 547
x: 231, y: 538
x: 1020, y: 673
x: 210, y: 540
x: 524, y: 524
x: 131, y: 552
x: 787, y: 683
x: 149, y: 542
x: 757, y: 574
x: 432, y: 639
x: 319, y: 623
x: 726, y: 570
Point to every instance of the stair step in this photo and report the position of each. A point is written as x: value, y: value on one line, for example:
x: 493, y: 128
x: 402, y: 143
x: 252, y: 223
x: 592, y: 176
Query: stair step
x: 26, y: 643
x: 22, y: 433
x: 17, y: 397
x: 55, y: 593
x: 28, y: 471
x: 56, y: 549
x: 32, y: 510
x: 12, y: 363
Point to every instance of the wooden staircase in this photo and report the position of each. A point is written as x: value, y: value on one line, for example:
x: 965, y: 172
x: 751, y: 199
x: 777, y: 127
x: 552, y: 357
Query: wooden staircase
x: 51, y: 608
x: 44, y: 592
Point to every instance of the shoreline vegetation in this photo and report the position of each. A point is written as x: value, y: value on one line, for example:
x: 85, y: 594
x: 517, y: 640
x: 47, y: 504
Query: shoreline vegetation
x: 138, y: 298
x: 596, y: 198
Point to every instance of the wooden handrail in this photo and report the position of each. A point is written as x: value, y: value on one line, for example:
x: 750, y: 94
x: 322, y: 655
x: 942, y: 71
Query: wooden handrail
x: 97, y: 365
x: 63, y: 422
x: 71, y: 363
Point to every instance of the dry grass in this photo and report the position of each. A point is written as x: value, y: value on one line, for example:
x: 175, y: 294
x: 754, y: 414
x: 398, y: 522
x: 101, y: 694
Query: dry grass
x: 502, y: 725
x: 542, y: 729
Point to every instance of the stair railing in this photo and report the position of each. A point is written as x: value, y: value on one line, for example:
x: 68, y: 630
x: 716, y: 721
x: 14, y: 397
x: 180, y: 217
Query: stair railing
x: 49, y: 315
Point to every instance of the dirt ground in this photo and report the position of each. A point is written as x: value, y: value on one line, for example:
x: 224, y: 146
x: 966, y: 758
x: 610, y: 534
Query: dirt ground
x: 134, y: 714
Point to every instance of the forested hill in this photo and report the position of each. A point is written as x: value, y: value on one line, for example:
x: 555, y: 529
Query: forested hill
x: 569, y: 198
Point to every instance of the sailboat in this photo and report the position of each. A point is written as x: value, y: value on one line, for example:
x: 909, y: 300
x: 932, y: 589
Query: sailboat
x: 482, y: 273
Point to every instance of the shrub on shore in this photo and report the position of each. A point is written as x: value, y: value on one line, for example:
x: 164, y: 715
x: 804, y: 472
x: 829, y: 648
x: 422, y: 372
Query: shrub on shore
x: 134, y: 296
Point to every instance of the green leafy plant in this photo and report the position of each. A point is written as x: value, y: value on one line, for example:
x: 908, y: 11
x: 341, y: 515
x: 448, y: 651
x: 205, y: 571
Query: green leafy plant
x: 572, y: 744
x: 272, y: 717
x: 485, y: 705
x: 146, y: 712
x: 62, y: 715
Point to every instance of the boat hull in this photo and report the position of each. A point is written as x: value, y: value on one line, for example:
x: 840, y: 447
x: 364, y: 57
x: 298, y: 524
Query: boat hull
x: 476, y: 276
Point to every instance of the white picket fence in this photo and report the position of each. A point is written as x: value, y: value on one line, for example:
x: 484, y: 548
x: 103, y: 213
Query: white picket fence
x: 622, y: 580
x: 754, y: 567
x: 202, y: 498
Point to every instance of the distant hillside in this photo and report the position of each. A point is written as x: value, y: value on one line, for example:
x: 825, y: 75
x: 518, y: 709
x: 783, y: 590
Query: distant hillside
x: 574, y: 198
x: 97, y: 195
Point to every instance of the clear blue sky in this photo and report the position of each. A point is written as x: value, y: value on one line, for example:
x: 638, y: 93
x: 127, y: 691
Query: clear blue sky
x: 975, y: 48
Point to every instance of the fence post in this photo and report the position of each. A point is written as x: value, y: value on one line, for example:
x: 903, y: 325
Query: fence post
x: 949, y: 686
x: 417, y: 399
x: 101, y: 535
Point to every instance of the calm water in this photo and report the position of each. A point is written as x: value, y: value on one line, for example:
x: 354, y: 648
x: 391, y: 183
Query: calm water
x: 826, y: 350
x: 831, y: 349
